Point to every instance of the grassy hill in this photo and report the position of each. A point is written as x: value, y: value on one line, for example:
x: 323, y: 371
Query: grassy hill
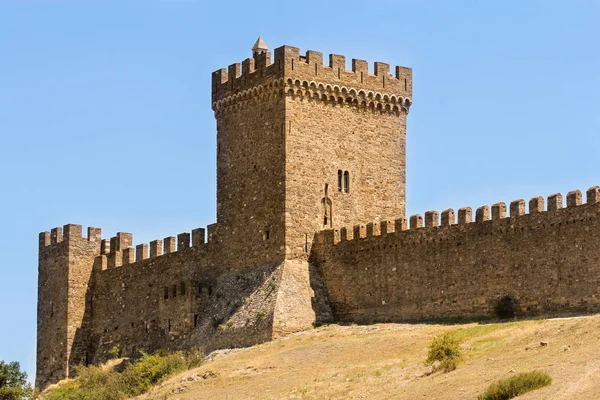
x: 385, y: 361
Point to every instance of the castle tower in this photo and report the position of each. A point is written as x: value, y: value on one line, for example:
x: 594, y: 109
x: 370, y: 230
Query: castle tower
x: 304, y: 146
x: 65, y: 266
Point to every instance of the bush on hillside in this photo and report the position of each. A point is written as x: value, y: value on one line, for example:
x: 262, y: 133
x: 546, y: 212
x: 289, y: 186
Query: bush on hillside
x: 95, y: 383
x: 444, y: 352
x: 516, y: 385
x: 505, y: 307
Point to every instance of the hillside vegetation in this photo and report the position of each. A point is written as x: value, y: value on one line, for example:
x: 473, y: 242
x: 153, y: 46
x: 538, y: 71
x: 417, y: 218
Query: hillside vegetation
x: 386, y: 361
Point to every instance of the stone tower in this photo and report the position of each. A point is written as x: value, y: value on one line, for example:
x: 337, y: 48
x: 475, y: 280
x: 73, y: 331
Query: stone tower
x: 304, y: 146
x: 66, y: 261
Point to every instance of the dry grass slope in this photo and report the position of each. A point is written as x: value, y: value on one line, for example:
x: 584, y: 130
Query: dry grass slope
x: 385, y: 361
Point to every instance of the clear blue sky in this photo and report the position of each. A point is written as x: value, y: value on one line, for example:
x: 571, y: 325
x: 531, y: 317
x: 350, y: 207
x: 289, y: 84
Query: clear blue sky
x: 105, y: 113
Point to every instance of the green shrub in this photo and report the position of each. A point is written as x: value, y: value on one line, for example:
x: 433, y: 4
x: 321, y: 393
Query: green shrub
x: 114, y: 352
x: 444, y: 349
x: 150, y: 369
x: 95, y: 383
x: 505, y: 307
x: 516, y: 385
x: 68, y: 391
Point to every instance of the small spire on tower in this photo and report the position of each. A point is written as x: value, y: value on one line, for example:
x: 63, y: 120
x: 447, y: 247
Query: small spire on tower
x: 259, y: 47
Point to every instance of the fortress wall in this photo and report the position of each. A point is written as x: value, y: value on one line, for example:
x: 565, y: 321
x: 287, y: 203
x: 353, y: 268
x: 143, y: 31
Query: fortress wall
x: 548, y: 261
x: 176, y: 294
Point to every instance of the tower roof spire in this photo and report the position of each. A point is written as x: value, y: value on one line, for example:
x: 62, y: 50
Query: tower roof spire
x: 259, y: 47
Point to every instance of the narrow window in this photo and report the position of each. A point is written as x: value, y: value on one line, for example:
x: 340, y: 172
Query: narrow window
x: 169, y: 323
x: 405, y: 85
x: 326, y: 206
x: 195, y: 320
x: 339, y: 180
x: 346, y: 182
x: 166, y: 292
x: 174, y: 291
x: 182, y: 288
x: 51, y: 308
x: 266, y: 235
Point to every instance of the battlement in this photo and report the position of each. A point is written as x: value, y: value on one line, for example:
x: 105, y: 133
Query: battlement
x: 291, y: 71
x: 119, y: 250
x: 517, y: 210
x: 67, y: 233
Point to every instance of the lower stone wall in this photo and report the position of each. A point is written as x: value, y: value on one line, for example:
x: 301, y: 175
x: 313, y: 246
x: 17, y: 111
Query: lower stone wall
x: 187, y: 299
x: 180, y: 300
x: 549, y: 262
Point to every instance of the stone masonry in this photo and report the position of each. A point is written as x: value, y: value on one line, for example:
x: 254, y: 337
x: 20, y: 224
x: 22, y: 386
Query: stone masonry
x: 311, y: 228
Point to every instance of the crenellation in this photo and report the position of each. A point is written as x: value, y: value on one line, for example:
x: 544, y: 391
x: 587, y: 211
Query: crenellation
x: 343, y: 234
x: 128, y: 256
x: 416, y: 221
x: 100, y: 263
x: 382, y: 69
x: 262, y: 61
x: 234, y: 71
x: 141, y: 252
x: 105, y: 246
x: 447, y: 217
x: 248, y: 67
x: 482, y: 214
x: 359, y: 231
x: 386, y: 227
x: 72, y: 232
x: 401, y: 224
x: 536, y: 205
x: 555, y: 202
x: 114, y: 259
x: 517, y: 208
x: 121, y: 241
x: 211, y: 233
x: 373, y: 229
x: 45, y: 239
x: 574, y: 198
x: 183, y: 241
x: 360, y: 67
x: 240, y: 83
x: 56, y: 235
x: 337, y: 63
x: 314, y: 58
x: 198, y: 237
x: 169, y: 245
x: 593, y: 195
x: 156, y: 249
x: 465, y: 215
x: 94, y: 234
x: 431, y: 219
x: 499, y: 211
